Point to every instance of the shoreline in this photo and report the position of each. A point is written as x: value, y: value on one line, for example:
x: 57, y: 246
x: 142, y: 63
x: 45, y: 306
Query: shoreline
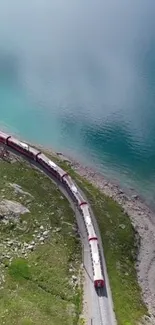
x: 142, y: 218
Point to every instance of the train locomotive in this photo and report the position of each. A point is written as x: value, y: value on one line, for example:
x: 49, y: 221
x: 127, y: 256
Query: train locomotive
x: 63, y: 177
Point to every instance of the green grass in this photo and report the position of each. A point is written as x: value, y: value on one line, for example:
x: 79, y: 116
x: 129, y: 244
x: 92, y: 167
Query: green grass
x: 119, y: 248
x: 37, y: 287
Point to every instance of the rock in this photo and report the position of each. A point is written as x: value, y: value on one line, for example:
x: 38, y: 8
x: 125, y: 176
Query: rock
x: 41, y: 239
x: 135, y: 197
x: 118, y: 265
x: 32, y: 242
x: 10, y: 243
x: 12, y: 209
x: 7, y: 256
x: 57, y: 229
x: 45, y: 233
x: 122, y: 226
x: 18, y: 189
x: 74, y: 277
x: 26, y: 244
x: 41, y: 228
x: 146, y: 227
x: 31, y: 247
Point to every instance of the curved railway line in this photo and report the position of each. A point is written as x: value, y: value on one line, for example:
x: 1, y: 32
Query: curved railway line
x: 96, y: 288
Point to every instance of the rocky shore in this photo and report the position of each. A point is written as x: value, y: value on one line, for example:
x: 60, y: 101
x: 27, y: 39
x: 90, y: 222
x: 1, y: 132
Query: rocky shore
x: 143, y: 220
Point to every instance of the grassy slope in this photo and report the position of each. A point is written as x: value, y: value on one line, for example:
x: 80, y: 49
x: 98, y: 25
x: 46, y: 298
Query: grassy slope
x: 119, y: 249
x: 37, y: 288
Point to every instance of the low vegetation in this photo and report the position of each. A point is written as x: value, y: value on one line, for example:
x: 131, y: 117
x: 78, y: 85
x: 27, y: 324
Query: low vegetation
x: 37, y: 287
x: 40, y: 251
x: 118, y: 239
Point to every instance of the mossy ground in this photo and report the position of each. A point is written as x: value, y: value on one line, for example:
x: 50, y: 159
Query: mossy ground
x: 37, y: 288
x: 119, y: 249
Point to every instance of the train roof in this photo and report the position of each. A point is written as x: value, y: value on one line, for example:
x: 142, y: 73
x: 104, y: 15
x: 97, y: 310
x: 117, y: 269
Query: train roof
x: 85, y: 209
x: 96, y: 261
x: 52, y: 164
x: 48, y: 161
x: 24, y: 145
x: 71, y: 184
x: 19, y: 143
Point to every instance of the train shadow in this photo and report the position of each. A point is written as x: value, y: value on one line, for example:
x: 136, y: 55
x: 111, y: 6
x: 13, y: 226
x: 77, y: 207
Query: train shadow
x: 102, y: 292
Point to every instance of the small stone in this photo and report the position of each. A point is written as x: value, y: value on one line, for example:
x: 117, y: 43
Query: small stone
x: 7, y: 256
x: 146, y: 227
x: 45, y: 233
x: 32, y: 242
x: 31, y: 247
x: 135, y: 197
x: 58, y: 229
x: 41, y: 227
x: 122, y: 226
x: 41, y: 239
x: 10, y: 243
x: 74, y: 277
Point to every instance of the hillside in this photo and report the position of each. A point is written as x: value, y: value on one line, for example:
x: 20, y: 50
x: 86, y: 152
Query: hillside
x: 40, y: 250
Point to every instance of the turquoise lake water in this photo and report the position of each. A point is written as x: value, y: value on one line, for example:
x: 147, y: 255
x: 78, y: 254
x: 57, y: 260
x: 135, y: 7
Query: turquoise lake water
x: 79, y: 76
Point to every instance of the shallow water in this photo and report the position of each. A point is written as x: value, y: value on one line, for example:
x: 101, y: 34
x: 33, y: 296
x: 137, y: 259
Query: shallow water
x: 80, y: 77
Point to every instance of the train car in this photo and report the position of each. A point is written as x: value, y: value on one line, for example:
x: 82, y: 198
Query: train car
x: 88, y: 222
x: 61, y: 173
x: 49, y: 165
x: 96, y: 263
x: 73, y: 191
x: 4, y: 137
x: 23, y: 148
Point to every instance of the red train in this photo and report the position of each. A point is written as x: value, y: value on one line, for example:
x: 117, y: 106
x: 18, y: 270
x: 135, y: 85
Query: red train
x: 57, y: 172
